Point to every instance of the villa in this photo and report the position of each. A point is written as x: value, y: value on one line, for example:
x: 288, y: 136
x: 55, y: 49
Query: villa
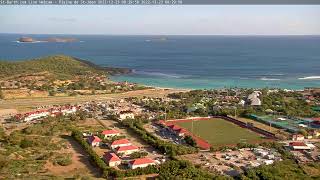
x: 141, y: 163
x: 94, y: 141
x: 119, y: 143
x: 110, y: 133
x: 111, y: 159
x: 126, y: 150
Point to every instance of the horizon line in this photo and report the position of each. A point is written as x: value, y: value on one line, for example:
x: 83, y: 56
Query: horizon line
x: 163, y: 34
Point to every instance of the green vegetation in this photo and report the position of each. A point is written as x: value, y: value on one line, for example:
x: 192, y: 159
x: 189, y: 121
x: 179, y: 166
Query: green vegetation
x: 63, y: 160
x: 25, y: 152
x: 61, y: 66
x: 220, y: 132
x: 137, y: 155
x: 163, y: 146
x: 214, y: 103
x: 176, y: 168
x: 189, y: 140
x: 286, y: 169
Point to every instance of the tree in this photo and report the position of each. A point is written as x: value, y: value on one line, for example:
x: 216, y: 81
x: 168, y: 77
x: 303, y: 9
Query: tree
x: 189, y: 140
x: 52, y: 93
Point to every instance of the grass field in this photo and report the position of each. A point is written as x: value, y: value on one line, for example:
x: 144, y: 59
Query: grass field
x: 220, y: 132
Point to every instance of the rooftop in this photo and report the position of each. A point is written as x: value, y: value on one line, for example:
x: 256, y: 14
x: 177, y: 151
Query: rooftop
x: 120, y: 141
x: 111, y: 157
x: 142, y: 161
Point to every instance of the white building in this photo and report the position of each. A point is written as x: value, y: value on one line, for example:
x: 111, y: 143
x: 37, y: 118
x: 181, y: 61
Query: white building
x: 119, y: 143
x: 126, y: 150
x: 94, y: 141
x: 299, y: 146
x: 141, y: 163
x: 110, y: 133
x: 35, y: 115
x: 111, y: 159
x: 126, y: 115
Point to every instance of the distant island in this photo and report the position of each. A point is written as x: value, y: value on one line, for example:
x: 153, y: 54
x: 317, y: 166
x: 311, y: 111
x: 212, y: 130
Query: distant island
x: 52, y: 39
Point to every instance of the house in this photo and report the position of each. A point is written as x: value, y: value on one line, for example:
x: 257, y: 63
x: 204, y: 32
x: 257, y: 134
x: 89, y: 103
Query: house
x: 126, y: 150
x: 141, y: 163
x: 126, y: 115
x: 110, y: 133
x: 94, y: 141
x: 111, y: 159
x: 35, y: 115
x: 297, y: 137
x: 119, y: 143
x: 299, y: 146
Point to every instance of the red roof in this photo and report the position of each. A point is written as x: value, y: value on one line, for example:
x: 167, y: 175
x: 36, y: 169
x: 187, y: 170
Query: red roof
x: 142, y: 161
x: 297, y: 144
x: 316, y: 119
x: 111, y: 157
x: 127, y: 148
x: 181, y: 130
x: 175, y: 127
x: 120, y: 141
x: 94, y: 139
x: 108, y: 132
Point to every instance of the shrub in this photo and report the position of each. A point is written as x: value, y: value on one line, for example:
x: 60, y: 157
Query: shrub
x: 63, y: 160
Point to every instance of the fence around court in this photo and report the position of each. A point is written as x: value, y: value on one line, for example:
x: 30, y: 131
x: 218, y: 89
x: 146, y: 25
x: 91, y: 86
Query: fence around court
x: 288, y: 125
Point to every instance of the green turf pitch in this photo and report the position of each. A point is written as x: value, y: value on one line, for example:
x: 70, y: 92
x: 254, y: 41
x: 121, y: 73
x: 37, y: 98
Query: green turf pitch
x: 220, y: 132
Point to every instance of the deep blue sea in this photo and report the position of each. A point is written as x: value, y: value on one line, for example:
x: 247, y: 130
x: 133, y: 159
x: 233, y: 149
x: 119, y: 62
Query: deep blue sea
x: 195, y: 62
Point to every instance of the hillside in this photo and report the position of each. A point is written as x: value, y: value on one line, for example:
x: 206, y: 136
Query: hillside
x: 60, y: 66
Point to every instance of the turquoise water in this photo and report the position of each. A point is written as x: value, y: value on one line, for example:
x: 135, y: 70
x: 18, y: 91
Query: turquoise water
x: 193, y: 62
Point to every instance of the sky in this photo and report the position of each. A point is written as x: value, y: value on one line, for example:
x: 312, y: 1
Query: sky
x: 162, y: 20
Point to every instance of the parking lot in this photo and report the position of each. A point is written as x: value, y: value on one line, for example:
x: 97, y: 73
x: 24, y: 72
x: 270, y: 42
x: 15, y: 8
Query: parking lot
x: 233, y: 162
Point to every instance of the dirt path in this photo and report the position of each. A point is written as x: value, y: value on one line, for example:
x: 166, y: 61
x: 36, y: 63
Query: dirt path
x: 27, y: 103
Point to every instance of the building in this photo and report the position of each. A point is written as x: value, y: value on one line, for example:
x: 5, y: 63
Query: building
x: 126, y: 115
x: 35, y: 115
x: 297, y: 137
x: 299, y: 146
x: 253, y: 98
x: 110, y: 133
x: 111, y: 159
x: 119, y: 143
x: 181, y: 132
x: 126, y: 150
x: 141, y: 163
x: 94, y: 141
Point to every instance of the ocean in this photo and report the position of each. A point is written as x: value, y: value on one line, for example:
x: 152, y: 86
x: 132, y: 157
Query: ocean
x: 190, y: 62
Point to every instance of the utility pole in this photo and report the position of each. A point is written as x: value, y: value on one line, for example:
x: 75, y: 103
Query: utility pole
x: 192, y: 126
x: 165, y: 113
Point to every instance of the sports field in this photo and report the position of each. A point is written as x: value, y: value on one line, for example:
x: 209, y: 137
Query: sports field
x: 220, y: 132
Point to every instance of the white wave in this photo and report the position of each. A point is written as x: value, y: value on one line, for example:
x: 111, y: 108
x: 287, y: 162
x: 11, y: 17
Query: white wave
x: 177, y: 76
x: 310, y: 77
x: 269, y: 79
x: 28, y: 42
